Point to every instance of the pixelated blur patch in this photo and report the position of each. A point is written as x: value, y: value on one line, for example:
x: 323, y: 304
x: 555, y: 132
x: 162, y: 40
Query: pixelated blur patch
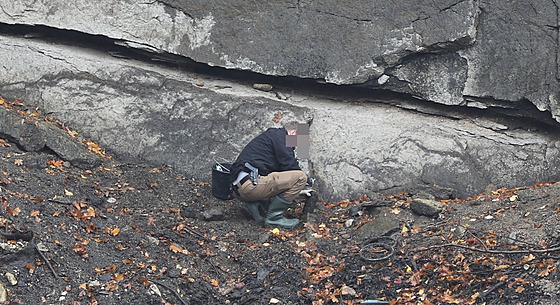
x: 302, y: 152
x: 302, y: 140
x: 302, y: 129
x: 291, y: 140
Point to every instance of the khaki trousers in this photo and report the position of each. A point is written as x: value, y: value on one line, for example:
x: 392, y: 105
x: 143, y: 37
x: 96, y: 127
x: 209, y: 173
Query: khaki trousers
x: 288, y: 184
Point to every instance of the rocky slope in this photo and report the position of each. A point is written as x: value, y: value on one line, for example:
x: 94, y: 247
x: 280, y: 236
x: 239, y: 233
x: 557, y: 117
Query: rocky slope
x: 119, y: 232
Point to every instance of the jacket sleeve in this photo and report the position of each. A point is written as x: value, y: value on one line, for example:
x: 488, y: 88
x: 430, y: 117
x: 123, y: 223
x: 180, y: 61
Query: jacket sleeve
x: 285, y: 155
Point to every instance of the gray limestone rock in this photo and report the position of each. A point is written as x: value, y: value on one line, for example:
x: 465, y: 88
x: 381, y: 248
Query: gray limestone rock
x: 382, y: 226
x: 3, y: 293
x: 34, y: 135
x: 213, y: 214
x: 69, y: 149
x: 164, y: 116
x: 21, y: 131
x: 426, y: 207
x: 470, y: 53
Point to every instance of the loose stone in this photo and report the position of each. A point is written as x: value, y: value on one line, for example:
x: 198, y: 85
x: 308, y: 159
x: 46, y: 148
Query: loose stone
x: 263, y: 87
x: 11, y: 279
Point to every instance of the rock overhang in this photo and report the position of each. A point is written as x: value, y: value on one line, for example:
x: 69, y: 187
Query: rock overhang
x: 447, y: 68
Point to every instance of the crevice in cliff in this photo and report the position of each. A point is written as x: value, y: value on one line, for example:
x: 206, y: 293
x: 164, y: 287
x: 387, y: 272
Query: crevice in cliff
x: 175, y: 7
x: 505, y: 112
x: 451, y: 6
x: 557, y: 29
x: 344, y: 17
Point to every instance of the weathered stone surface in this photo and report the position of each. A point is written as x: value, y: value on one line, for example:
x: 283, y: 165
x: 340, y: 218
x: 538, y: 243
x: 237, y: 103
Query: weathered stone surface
x: 34, y: 136
x: 437, y: 78
x: 138, y: 110
x: 474, y: 53
x: 3, y: 293
x: 369, y: 36
x: 426, y: 207
x: 69, y: 149
x: 23, y: 132
x: 165, y: 116
x: 515, y: 56
x: 11, y: 278
x: 381, y: 226
x: 380, y: 149
x: 213, y: 214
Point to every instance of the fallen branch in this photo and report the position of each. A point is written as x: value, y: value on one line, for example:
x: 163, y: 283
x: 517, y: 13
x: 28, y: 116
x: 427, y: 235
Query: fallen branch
x: 61, y: 201
x: 46, y: 260
x: 192, y: 231
x: 480, y: 241
x: 170, y: 289
x: 485, y: 294
x: 488, y: 250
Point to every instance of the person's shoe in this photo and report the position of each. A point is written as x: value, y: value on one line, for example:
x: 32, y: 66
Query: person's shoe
x: 256, y: 207
x: 275, y: 215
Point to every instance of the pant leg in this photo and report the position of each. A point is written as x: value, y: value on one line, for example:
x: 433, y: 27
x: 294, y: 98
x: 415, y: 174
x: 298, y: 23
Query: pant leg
x: 288, y: 184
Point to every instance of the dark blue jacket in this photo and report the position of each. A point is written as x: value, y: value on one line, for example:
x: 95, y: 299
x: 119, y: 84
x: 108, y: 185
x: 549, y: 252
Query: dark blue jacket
x: 268, y: 153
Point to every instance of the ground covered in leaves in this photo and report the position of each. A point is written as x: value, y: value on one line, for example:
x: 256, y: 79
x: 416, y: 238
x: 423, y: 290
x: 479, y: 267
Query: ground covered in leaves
x: 130, y: 233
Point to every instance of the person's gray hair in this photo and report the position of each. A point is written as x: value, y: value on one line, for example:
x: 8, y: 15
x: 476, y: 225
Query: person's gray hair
x: 291, y: 126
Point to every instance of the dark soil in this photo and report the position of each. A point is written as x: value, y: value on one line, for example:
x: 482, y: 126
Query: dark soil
x: 128, y: 233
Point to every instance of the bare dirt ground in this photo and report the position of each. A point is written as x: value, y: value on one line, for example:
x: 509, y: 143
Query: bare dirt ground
x: 130, y: 233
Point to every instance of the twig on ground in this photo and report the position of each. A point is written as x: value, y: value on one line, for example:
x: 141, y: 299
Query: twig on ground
x: 170, y: 289
x: 46, y: 260
x: 192, y: 231
x: 486, y: 293
x: 480, y: 241
x: 61, y: 201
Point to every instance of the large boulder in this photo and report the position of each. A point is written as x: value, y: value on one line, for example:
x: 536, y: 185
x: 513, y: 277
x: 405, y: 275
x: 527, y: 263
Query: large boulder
x: 34, y: 135
x: 471, y: 53
x: 186, y: 120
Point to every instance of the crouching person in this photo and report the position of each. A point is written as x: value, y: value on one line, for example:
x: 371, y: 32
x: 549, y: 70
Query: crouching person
x: 266, y: 176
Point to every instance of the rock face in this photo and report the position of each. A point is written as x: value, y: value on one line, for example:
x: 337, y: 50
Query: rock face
x: 463, y: 61
x: 451, y: 52
x: 35, y: 136
x: 139, y: 110
x: 171, y: 117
